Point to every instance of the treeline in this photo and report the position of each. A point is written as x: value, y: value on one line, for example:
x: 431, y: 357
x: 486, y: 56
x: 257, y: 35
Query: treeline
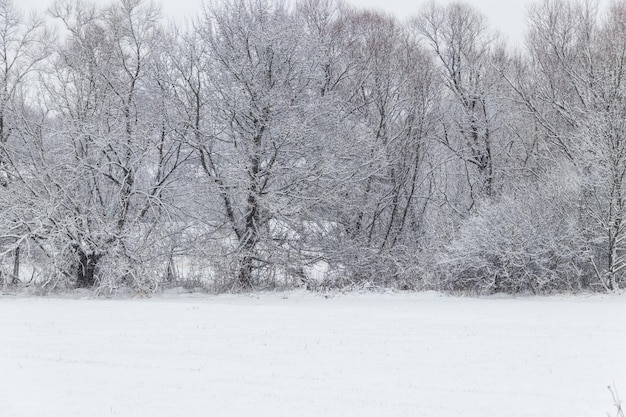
x: 312, y: 144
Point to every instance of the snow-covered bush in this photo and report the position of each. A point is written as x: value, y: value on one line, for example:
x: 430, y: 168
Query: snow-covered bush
x: 531, y: 241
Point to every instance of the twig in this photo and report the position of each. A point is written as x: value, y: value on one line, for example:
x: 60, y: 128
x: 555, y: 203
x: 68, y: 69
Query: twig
x: 616, y: 401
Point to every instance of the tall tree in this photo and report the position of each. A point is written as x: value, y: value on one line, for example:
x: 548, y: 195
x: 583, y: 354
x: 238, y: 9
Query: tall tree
x: 24, y: 46
x: 464, y: 46
x: 573, y: 87
x: 389, y: 100
x: 117, y: 155
x: 259, y: 154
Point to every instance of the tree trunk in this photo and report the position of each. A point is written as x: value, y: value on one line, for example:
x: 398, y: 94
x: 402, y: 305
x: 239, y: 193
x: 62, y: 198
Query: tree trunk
x: 16, y: 266
x: 86, y: 274
x: 244, y: 278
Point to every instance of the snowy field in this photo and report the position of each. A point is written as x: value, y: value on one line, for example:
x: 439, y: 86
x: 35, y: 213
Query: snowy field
x: 300, y: 354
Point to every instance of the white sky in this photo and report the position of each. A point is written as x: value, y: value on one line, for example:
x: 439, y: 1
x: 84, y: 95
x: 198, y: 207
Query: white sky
x: 507, y: 16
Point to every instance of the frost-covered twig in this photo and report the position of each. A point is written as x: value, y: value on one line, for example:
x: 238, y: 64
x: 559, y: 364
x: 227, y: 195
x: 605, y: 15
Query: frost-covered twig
x: 616, y: 401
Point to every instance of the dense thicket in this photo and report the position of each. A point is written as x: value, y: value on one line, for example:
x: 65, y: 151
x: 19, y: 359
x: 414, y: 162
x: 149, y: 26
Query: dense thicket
x: 312, y: 144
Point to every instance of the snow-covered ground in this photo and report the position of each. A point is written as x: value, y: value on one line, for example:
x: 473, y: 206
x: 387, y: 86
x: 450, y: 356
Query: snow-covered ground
x: 300, y: 354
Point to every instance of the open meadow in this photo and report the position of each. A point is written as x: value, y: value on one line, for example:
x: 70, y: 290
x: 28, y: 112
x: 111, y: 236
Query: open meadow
x: 300, y: 354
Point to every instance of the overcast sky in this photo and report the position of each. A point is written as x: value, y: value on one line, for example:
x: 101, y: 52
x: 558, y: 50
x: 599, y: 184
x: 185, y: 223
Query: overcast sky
x: 508, y: 16
x: 505, y: 15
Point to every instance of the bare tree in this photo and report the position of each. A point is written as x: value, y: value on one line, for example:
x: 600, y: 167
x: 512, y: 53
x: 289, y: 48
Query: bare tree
x: 24, y: 45
x: 465, y: 49
x: 118, y: 156
x: 577, y: 97
x: 378, y: 174
x: 258, y: 153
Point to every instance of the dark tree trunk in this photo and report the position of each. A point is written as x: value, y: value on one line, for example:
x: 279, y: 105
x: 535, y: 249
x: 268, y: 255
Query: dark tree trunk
x: 251, y: 234
x: 86, y: 274
x: 245, y: 273
x: 16, y: 265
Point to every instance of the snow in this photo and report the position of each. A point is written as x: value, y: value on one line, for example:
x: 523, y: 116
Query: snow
x: 300, y: 354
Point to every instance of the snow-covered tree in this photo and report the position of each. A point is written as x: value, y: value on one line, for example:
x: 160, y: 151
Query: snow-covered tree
x: 384, y: 180
x: 257, y: 146
x: 24, y: 46
x: 466, y: 49
x: 114, y: 153
x: 575, y: 91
